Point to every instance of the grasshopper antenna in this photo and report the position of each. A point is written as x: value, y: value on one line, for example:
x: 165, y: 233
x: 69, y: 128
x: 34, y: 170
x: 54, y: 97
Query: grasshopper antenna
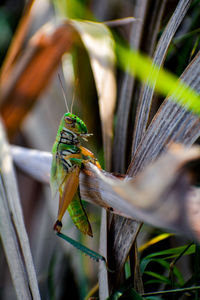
x: 63, y: 92
x: 72, y: 104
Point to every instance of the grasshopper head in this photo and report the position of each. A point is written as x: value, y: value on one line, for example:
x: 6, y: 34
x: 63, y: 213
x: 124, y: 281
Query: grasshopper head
x: 75, y: 124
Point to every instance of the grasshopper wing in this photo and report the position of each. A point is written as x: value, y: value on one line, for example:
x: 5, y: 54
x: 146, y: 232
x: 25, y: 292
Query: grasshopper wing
x: 67, y: 190
x: 57, y: 176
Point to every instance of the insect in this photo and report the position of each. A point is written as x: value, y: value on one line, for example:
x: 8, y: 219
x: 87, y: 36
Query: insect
x: 68, y: 159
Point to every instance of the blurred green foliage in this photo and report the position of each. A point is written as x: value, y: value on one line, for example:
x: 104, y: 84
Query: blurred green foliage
x: 10, y: 13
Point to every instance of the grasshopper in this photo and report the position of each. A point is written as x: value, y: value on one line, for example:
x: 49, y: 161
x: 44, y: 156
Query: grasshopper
x: 68, y: 159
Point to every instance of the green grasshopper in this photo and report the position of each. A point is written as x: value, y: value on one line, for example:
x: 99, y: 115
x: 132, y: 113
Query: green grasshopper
x: 68, y: 159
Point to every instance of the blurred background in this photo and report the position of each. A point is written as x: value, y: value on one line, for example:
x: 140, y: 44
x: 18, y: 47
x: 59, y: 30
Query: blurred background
x: 64, y: 272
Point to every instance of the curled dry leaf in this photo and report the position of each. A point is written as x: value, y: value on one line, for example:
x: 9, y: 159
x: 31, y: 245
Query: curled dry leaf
x: 100, y: 46
x: 33, y: 162
x: 159, y: 195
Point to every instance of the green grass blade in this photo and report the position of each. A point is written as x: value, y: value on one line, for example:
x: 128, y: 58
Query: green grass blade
x: 169, y: 253
x: 161, y: 278
x: 94, y: 255
x: 167, y: 84
x: 193, y: 288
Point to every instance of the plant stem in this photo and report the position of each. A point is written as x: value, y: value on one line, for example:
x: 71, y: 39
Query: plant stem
x: 171, y: 291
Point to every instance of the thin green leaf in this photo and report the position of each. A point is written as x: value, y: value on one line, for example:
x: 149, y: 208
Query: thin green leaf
x: 193, y: 288
x: 167, y: 84
x: 144, y: 263
x: 152, y: 281
x: 195, y: 46
x: 158, y: 276
x: 153, y: 298
x: 166, y: 265
x: 127, y: 269
x: 169, y: 253
x: 94, y: 255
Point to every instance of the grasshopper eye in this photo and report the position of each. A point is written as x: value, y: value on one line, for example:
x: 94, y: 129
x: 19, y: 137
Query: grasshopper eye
x: 68, y: 120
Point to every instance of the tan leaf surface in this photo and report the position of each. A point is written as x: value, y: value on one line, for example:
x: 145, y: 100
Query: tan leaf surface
x: 100, y: 46
x: 160, y: 195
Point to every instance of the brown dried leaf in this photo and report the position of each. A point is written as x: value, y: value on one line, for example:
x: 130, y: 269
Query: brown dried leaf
x: 145, y: 100
x: 159, y: 195
x: 100, y: 46
x: 172, y: 123
x: 32, y: 72
x: 17, y: 41
x: 147, y: 27
x: 125, y: 96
